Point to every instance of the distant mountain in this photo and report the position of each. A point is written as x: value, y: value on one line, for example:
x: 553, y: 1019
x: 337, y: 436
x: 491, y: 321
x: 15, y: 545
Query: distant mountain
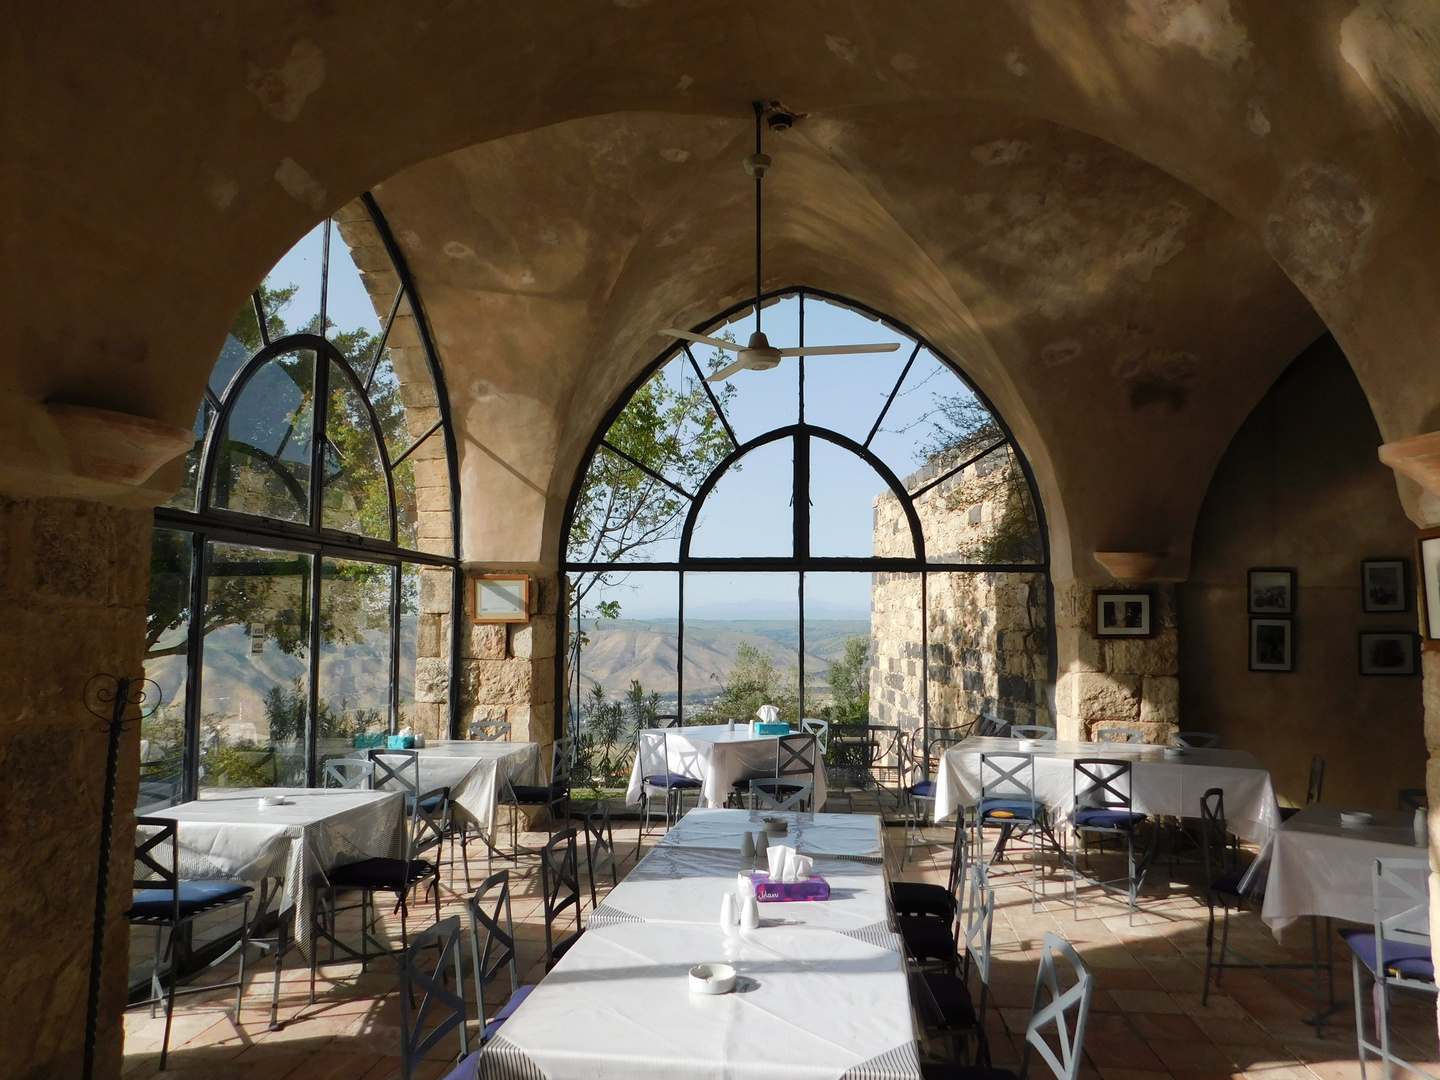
x: 747, y: 610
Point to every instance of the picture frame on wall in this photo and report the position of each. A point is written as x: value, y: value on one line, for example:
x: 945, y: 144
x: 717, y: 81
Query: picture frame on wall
x: 1382, y: 585
x: 1123, y: 614
x: 1270, y: 590
x: 497, y: 598
x: 1388, y: 652
x: 1427, y: 567
x: 1272, y: 645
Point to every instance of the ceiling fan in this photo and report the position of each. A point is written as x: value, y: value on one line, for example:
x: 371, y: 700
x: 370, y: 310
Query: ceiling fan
x: 759, y: 354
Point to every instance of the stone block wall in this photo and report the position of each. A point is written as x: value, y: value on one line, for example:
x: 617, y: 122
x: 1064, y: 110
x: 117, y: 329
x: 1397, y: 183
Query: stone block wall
x: 429, y: 713
x: 1115, y: 682
x: 508, y: 669
x: 74, y: 577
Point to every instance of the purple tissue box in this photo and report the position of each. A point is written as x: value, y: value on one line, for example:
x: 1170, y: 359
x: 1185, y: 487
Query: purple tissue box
x: 771, y: 892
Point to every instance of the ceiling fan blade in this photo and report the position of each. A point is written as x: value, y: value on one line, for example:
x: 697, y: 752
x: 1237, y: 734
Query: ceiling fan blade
x: 839, y: 350
x: 728, y: 370
x: 703, y: 340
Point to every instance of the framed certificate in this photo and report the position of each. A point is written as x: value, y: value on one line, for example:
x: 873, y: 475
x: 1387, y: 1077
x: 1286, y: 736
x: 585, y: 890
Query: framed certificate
x: 499, y: 598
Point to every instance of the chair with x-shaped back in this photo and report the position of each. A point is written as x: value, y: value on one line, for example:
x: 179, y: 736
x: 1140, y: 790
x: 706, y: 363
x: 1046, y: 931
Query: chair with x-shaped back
x: 428, y: 1017
x: 793, y: 785
x: 492, y: 949
x: 560, y: 890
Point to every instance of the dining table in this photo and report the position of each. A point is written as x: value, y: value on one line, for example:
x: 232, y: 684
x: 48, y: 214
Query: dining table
x: 718, y: 755
x: 1164, y: 781
x: 821, y: 990
x: 476, y: 772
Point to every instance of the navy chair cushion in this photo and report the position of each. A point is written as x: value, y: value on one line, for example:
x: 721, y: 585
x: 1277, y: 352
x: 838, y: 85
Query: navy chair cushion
x: 379, y: 873
x: 922, y: 898
x: 505, y: 1012
x: 924, y: 790
x: 952, y: 997
x: 1018, y: 809
x: 524, y: 793
x: 195, y: 897
x: 1229, y: 884
x: 429, y: 805
x: 926, y: 937
x: 1401, y: 957
x: 941, y: 1071
x: 1107, y: 819
x: 469, y: 1069
x: 674, y: 781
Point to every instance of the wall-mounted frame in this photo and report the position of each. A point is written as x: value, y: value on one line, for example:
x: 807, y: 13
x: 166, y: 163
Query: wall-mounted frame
x: 1270, y: 590
x: 1272, y: 645
x: 1382, y: 585
x: 1388, y: 652
x: 1123, y: 614
x: 499, y: 598
x: 1427, y: 569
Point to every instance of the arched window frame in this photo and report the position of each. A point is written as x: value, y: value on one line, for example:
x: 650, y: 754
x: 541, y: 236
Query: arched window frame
x: 800, y: 561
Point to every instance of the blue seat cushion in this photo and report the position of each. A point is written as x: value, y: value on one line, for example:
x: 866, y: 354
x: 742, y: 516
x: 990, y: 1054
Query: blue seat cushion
x: 924, y: 790
x: 429, y: 805
x: 195, y: 897
x: 1107, y: 819
x: 922, y: 898
x: 1229, y: 884
x: 506, y: 1010
x: 1001, y: 809
x: 951, y: 996
x: 380, y: 874
x: 1404, y: 958
x: 674, y: 780
x: 469, y: 1069
x: 524, y: 793
x: 926, y: 937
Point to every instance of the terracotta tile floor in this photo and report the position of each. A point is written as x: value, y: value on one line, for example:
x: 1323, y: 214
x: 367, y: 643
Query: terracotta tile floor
x: 1146, y: 1023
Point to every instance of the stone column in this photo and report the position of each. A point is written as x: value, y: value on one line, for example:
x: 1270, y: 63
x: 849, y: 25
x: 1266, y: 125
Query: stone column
x: 74, y: 577
x: 1115, y: 682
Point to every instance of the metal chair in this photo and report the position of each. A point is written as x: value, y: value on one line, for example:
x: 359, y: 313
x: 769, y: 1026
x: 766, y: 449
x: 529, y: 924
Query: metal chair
x: 1120, y: 735
x: 440, y: 1010
x: 349, y: 773
x: 943, y: 998
x: 1038, y: 732
x: 1008, y: 801
x: 1414, y: 798
x: 658, y: 781
x: 1195, y: 740
x: 796, y: 756
x: 492, y: 948
x: 988, y: 724
x: 927, y: 898
x: 559, y: 889
x: 490, y: 730
x: 1395, y: 954
x: 917, y: 783
x: 600, y: 850
x: 819, y: 728
x: 552, y: 796
x: 1313, y: 786
x: 1103, y: 808
x: 162, y: 900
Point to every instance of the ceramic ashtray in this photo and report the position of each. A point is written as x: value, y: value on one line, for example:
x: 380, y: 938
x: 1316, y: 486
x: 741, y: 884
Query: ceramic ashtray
x: 712, y: 979
x: 272, y: 800
x: 1355, y: 818
x: 776, y: 826
x: 1174, y: 753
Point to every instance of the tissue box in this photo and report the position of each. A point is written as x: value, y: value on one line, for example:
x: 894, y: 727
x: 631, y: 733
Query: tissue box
x: 371, y: 741
x: 399, y: 742
x: 780, y: 727
x: 771, y: 892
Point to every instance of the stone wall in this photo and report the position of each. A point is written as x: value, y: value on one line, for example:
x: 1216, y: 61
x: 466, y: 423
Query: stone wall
x: 986, y: 632
x: 74, y: 577
x: 508, y: 669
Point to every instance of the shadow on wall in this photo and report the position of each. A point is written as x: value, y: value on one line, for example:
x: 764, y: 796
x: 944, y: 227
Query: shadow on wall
x: 1301, y: 487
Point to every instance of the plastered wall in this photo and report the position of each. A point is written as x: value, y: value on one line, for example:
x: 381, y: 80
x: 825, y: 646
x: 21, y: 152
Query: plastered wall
x: 1301, y: 487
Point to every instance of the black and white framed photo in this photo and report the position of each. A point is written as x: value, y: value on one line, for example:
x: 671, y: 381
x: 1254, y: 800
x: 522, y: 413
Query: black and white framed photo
x: 1427, y: 562
x: 1387, y: 652
x: 1272, y: 645
x: 1382, y: 585
x: 1271, y: 591
x: 1123, y: 614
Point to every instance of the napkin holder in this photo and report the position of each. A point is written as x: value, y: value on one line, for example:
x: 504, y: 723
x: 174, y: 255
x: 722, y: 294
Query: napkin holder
x: 399, y: 742
x: 761, y: 727
x: 371, y: 740
x: 782, y: 892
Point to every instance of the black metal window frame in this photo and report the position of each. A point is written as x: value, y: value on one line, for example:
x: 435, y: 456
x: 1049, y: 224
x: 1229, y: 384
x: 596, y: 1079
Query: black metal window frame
x: 208, y: 524
x: 800, y: 561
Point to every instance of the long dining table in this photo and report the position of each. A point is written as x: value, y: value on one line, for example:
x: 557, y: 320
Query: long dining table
x: 1167, y: 784
x: 822, y: 992
x: 718, y: 756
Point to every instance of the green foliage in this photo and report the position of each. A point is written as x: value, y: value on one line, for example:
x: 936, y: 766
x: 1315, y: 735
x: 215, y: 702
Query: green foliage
x: 849, y: 679
x: 606, y: 747
x: 285, y: 715
x: 246, y: 327
x: 753, y: 682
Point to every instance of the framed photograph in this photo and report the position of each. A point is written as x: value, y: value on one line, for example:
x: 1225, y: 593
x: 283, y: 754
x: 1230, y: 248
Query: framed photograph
x: 498, y: 598
x: 1382, y: 585
x: 1123, y: 614
x: 1271, y: 591
x: 1427, y: 562
x: 1272, y: 645
x: 1387, y: 652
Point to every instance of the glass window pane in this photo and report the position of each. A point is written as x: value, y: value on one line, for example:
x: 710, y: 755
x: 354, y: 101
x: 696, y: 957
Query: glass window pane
x: 749, y: 511
x: 189, y: 492
x: 167, y: 642
x: 763, y: 400
x: 352, y: 321
x: 897, y: 660
x: 256, y: 673
x: 355, y: 637
x: 838, y: 661
x: 400, y: 386
x: 291, y: 291
x: 741, y: 636
x: 846, y: 393
x: 233, y: 355
x: 356, y: 497
x: 853, y: 512
x: 984, y: 514
x: 263, y: 463
x: 425, y: 629
x: 625, y: 514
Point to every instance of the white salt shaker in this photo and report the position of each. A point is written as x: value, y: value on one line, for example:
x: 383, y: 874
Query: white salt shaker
x: 727, y: 910
x: 747, y: 846
x: 762, y: 845
x: 750, y: 913
x: 1422, y: 826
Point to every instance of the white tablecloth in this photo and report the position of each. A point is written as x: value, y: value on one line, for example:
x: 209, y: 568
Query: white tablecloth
x: 224, y: 835
x: 820, y: 997
x: 1158, y: 785
x: 1319, y: 867
x: 854, y: 836
x: 471, y: 769
x: 718, y: 757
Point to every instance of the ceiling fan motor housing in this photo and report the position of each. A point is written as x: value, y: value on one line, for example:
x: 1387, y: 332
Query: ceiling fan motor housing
x: 757, y: 164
